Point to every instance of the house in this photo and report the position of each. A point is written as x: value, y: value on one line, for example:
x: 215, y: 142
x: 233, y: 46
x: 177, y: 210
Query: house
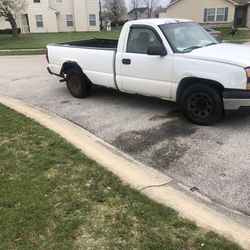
x: 137, y: 13
x: 43, y: 16
x: 211, y: 12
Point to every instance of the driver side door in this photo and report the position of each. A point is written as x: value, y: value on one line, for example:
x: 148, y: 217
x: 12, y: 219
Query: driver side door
x: 142, y: 73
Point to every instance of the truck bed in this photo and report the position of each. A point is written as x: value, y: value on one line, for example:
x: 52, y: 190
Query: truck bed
x: 110, y: 44
x: 96, y: 57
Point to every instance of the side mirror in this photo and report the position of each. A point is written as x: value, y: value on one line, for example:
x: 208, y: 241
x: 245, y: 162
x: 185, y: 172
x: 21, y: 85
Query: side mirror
x: 157, y: 50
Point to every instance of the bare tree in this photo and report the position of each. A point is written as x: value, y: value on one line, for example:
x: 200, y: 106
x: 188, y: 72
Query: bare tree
x: 115, y: 10
x: 151, y: 5
x: 157, y: 11
x: 10, y: 9
x: 134, y: 6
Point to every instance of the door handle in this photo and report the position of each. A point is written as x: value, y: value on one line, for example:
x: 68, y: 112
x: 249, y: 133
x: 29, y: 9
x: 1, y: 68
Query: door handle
x: 126, y: 61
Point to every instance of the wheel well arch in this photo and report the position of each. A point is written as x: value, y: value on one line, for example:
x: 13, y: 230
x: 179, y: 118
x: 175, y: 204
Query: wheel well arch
x: 71, y: 64
x: 188, y: 81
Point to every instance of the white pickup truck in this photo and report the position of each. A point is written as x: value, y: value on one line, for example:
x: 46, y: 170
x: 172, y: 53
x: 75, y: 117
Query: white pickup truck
x: 172, y: 59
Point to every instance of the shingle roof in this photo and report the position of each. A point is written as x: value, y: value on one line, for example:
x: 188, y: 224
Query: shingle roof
x: 163, y: 10
x: 237, y: 2
x: 138, y: 10
x: 172, y: 1
x: 241, y: 2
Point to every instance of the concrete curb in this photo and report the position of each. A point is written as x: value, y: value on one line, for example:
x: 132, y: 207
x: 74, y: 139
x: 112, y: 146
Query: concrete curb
x: 20, y: 50
x: 145, y: 179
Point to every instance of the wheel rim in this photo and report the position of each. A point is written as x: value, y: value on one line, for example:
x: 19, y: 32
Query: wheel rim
x: 200, y: 105
x: 74, y: 84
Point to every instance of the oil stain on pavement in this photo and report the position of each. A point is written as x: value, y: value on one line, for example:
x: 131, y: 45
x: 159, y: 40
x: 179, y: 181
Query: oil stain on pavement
x: 160, y: 143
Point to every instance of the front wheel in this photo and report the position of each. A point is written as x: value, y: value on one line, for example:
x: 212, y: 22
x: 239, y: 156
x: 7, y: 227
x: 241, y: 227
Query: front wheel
x: 202, y: 104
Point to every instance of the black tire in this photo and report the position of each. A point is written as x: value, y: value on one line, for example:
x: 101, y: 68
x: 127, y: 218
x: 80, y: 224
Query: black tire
x: 202, y: 104
x: 77, y: 84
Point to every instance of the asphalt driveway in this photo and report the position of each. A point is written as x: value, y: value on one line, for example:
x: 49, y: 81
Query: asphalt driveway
x: 210, y: 161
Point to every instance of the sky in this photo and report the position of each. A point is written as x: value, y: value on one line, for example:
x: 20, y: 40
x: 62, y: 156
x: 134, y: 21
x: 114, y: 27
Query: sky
x: 162, y: 2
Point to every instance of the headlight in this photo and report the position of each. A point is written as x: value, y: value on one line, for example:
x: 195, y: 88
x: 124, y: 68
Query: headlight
x: 248, y: 78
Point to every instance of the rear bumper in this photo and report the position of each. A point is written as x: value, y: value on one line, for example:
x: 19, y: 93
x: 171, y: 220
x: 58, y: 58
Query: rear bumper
x: 235, y: 99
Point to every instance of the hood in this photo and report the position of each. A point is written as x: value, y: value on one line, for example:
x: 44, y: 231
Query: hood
x: 236, y: 54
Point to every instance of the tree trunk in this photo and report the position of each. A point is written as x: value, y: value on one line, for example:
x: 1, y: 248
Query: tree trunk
x: 14, y: 29
x: 149, y: 14
x: 13, y: 24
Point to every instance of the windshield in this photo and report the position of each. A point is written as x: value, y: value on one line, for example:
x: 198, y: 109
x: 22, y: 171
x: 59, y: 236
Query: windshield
x: 185, y: 37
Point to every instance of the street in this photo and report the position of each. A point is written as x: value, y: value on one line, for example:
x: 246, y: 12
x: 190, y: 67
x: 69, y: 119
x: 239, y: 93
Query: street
x: 213, y: 162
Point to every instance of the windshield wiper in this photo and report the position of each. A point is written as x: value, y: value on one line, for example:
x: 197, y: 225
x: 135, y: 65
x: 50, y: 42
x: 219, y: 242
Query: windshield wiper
x: 209, y: 44
x: 192, y: 48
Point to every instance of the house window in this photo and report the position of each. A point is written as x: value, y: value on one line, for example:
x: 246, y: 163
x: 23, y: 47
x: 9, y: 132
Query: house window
x: 36, y: 1
x: 216, y: 15
x: 69, y: 19
x: 39, y: 21
x: 211, y: 15
x: 220, y: 14
x: 92, y: 20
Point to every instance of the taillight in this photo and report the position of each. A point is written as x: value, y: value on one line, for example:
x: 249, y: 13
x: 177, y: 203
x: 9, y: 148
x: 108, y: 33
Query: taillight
x: 47, y: 54
x: 248, y: 78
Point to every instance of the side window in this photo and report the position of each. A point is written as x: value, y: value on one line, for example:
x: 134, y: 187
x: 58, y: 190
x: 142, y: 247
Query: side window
x: 140, y: 39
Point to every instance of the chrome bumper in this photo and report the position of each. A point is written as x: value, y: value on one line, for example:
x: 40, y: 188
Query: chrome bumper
x: 234, y: 99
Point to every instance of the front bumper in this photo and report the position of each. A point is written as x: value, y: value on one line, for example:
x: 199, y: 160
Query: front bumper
x: 235, y: 99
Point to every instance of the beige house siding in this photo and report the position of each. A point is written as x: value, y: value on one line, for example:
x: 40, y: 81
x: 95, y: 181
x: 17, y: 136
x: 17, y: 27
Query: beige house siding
x: 54, y: 15
x: 49, y: 22
x: 163, y: 15
x: 93, y: 9
x: 81, y: 16
x: 34, y: 9
x: 64, y: 8
x: 140, y: 15
x: 194, y: 10
x: 4, y: 25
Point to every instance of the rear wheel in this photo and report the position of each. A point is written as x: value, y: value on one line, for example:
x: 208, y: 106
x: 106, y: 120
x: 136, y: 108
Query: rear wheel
x: 77, y: 84
x: 202, y: 104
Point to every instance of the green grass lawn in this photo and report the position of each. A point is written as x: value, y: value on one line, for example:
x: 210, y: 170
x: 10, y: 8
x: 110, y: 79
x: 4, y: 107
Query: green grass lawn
x: 240, y: 34
x: 36, y: 41
x: 54, y: 197
x: 39, y: 41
